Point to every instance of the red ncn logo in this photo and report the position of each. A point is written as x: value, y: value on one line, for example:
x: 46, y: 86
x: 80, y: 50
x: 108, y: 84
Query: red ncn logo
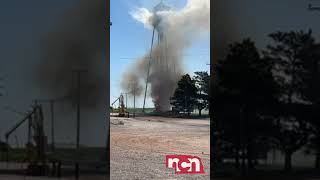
x: 185, y: 164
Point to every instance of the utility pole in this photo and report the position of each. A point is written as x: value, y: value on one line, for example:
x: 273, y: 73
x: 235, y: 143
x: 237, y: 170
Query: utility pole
x: 78, y: 73
x: 51, y: 102
x: 126, y: 100
x: 126, y: 93
x: 134, y: 101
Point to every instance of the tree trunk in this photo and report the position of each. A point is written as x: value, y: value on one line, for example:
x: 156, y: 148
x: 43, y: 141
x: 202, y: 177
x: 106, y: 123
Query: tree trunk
x: 288, y: 161
x: 200, y: 112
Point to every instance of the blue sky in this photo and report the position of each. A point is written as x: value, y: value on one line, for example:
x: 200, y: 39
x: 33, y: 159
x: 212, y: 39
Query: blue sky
x: 129, y: 40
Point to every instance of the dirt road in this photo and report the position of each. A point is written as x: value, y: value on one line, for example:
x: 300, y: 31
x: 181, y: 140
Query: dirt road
x: 139, y: 146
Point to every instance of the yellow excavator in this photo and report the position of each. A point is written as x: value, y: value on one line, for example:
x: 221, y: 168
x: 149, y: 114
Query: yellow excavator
x: 35, y: 147
x: 121, y: 108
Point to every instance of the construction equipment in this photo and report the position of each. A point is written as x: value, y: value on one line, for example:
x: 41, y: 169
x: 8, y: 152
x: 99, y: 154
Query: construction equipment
x: 121, y: 107
x: 35, y: 147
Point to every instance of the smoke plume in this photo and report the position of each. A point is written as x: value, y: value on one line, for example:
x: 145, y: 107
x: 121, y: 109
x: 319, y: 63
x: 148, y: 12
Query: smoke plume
x: 176, y: 29
x: 77, y: 43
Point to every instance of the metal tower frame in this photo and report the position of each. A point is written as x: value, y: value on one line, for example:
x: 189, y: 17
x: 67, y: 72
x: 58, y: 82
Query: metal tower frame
x: 161, y: 38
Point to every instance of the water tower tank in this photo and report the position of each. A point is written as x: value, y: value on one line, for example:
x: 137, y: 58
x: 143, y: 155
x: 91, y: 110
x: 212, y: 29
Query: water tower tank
x: 161, y: 7
x: 158, y: 8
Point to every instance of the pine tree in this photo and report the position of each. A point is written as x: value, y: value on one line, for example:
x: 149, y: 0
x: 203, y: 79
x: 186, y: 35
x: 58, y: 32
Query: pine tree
x: 185, y: 95
x: 202, y: 80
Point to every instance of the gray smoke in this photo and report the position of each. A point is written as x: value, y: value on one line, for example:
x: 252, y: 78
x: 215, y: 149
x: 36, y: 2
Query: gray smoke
x: 78, y: 42
x: 179, y: 28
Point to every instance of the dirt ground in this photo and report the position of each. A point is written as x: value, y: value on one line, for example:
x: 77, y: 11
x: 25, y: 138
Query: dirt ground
x: 139, y: 146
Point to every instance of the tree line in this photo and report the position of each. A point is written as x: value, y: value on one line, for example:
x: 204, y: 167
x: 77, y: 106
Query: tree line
x: 191, y: 93
x: 267, y: 99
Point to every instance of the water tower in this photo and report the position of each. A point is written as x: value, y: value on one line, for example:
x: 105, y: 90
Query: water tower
x: 159, y: 29
x: 157, y: 23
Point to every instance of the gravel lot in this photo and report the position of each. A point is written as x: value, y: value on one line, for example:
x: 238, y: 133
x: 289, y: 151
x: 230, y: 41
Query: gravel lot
x: 139, y: 146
